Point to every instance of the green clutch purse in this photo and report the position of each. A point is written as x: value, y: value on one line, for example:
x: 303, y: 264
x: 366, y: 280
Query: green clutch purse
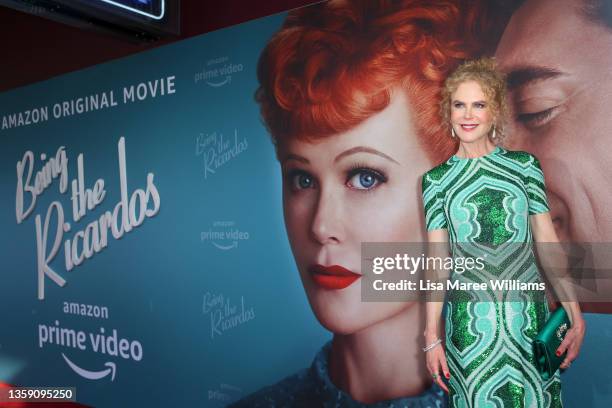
x: 548, y: 340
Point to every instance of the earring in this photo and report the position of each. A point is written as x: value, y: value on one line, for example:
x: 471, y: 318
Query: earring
x: 493, y: 135
x: 453, y: 132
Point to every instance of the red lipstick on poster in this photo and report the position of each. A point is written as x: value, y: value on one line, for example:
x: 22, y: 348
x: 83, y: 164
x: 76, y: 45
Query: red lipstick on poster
x: 332, y: 277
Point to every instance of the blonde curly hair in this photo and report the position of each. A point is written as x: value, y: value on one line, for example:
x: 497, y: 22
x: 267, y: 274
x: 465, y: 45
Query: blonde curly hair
x: 493, y: 84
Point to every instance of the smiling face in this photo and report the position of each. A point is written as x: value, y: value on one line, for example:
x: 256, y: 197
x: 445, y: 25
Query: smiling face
x: 470, y: 114
x: 558, y: 65
x: 358, y: 186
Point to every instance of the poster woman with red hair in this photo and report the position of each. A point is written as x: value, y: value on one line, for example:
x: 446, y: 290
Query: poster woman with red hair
x: 349, y: 93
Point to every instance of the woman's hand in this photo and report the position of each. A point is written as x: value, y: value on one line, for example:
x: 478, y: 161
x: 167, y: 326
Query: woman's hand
x: 544, y: 232
x: 434, y: 323
x: 436, y: 364
x: 572, y: 341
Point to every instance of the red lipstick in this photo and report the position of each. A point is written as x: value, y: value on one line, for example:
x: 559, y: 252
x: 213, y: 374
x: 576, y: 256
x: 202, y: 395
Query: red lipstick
x: 332, y: 277
x: 468, y: 127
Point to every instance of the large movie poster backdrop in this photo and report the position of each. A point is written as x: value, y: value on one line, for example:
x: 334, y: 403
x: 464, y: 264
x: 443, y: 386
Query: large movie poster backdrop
x: 145, y: 258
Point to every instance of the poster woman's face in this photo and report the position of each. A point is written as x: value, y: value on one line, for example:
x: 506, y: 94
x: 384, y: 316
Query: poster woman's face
x: 358, y: 186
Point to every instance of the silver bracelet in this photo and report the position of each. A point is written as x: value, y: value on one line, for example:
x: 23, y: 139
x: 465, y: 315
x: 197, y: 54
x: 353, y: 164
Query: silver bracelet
x: 432, y: 345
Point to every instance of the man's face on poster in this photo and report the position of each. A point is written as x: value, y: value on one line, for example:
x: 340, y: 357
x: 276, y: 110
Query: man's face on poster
x: 560, y: 80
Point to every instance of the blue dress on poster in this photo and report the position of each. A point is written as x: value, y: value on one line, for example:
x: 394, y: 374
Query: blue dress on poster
x: 312, y: 387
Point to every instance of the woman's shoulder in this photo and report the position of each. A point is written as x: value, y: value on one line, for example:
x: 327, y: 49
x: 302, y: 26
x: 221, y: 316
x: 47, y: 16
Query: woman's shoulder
x: 295, y: 390
x: 519, y: 155
x: 438, y: 172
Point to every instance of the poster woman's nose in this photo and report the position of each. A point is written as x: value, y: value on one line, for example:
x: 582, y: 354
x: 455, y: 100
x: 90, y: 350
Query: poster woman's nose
x: 327, y: 221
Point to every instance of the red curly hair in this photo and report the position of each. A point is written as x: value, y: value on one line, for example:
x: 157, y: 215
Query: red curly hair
x: 334, y: 64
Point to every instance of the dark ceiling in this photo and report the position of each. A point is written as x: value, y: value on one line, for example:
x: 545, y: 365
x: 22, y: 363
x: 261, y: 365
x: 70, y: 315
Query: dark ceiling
x: 34, y: 48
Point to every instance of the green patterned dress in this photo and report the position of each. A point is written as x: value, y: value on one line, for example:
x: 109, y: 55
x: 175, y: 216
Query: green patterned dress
x: 486, y: 202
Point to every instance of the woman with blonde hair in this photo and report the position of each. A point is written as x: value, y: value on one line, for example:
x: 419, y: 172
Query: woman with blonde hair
x: 490, y: 203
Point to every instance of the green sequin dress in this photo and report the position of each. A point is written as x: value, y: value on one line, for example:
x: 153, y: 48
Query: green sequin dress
x: 486, y: 202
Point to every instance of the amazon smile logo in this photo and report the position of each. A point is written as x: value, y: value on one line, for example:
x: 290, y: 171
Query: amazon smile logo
x: 93, y: 375
x: 107, y: 344
x: 218, y: 72
x: 224, y: 235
